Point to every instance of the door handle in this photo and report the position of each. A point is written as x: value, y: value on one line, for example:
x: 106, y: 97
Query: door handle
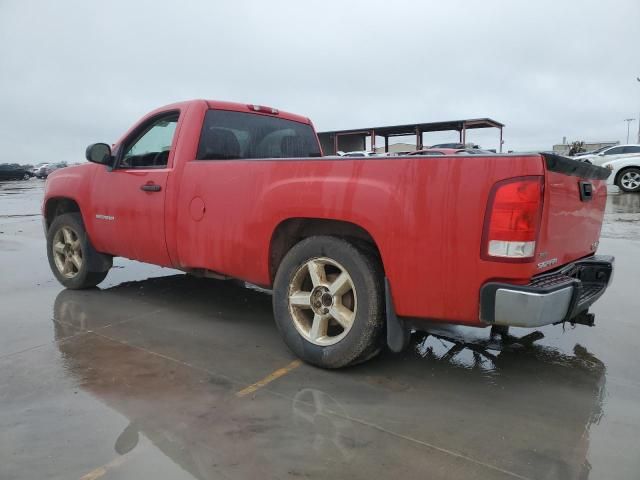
x: 150, y: 187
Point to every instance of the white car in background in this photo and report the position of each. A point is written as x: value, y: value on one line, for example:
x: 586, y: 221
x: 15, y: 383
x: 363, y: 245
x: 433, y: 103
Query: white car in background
x: 625, y: 173
x: 607, y: 154
x: 360, y: 153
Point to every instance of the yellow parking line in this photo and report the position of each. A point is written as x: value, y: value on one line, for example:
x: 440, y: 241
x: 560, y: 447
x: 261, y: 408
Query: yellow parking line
x: 100, y: 471
x: 269, y: 378
x: 94, y: 474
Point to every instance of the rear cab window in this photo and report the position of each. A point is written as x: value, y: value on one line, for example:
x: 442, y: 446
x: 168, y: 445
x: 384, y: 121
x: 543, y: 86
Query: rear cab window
x: 229, y: 135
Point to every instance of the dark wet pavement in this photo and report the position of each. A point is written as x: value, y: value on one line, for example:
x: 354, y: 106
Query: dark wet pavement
x: 140, y: 379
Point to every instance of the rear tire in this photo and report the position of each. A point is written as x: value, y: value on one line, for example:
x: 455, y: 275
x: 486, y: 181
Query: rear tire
x: 328, y: 302
x: 629, y: 180
x: 71, y: 256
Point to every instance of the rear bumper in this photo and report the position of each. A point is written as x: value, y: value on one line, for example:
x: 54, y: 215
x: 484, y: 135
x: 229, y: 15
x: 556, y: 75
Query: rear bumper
x: 550, y: 298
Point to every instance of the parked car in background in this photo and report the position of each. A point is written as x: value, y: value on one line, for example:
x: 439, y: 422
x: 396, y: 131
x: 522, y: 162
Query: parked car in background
x: 607, y: 154
x: 13, y: 171
x: 359, y: 154
x: 625, y: 173
x: 452, y: 151
x: 39, y: 170
x: 34, y: 170
x: 434, y: 151
x: 455, y: 146
x: 46, y: 169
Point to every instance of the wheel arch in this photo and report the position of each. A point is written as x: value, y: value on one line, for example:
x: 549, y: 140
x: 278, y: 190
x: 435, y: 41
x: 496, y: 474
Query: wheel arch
x: 292, y: 230
x: 57, y: 206
x: 624, y: 169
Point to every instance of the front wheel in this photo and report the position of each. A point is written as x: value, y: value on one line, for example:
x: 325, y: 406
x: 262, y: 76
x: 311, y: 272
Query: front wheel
x: 71, y: 254
x: 328, y: 302
x: 629, y: 180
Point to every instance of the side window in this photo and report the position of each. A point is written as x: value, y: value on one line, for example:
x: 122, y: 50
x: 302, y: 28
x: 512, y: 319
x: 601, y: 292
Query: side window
x: 614, y: 151
x: 632, y: 149
x: 229, y: 135
x: 151, y: 147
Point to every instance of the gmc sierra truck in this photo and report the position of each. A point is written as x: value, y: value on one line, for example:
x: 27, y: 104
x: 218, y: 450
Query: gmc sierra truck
x: 357, y: 251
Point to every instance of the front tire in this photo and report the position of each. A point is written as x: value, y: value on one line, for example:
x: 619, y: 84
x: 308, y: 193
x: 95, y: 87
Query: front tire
x: 328, y: 302
x: 629, y: 180
x: 71, y: 254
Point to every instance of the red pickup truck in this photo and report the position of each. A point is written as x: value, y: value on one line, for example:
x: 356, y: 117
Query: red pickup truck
x: 356, y: 250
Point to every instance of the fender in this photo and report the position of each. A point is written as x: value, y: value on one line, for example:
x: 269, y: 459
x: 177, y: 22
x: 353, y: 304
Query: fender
x: 73, y: 183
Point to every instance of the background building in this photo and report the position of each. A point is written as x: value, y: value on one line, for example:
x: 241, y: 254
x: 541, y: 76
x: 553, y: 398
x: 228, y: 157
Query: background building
x: 358, y: 138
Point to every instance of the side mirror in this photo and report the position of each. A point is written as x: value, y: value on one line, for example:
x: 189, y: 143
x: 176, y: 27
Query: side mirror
x: 99, y: 153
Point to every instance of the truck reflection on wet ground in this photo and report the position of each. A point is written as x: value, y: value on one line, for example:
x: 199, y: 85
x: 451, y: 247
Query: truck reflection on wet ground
x: 198, y: 390
x: 622, y: 216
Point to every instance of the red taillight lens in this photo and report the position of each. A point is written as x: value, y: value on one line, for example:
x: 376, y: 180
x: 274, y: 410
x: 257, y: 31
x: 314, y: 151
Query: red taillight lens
x: 512, y: 220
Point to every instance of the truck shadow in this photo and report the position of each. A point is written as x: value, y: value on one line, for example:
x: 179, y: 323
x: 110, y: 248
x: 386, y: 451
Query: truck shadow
x: 534, y: 405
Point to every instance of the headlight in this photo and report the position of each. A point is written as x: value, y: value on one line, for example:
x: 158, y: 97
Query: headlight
x: 610, y: 167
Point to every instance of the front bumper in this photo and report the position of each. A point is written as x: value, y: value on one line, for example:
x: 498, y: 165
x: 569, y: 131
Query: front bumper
x: 554, y: 297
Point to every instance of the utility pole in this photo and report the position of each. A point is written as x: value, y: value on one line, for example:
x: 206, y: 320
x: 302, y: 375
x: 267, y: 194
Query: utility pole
x: 638, y: 79
x: 628, y: 120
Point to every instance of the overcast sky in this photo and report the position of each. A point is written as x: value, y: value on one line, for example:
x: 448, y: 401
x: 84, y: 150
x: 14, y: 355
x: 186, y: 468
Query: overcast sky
x: 76, y: 72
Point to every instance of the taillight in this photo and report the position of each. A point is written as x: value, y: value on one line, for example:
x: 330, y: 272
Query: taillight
x: 512, y: 220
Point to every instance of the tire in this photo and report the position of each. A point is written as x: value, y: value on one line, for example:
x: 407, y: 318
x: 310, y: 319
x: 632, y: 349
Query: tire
x: 308, y: 320
x: 26, y: 176
x: 72, y: 258
x: 629, y: 180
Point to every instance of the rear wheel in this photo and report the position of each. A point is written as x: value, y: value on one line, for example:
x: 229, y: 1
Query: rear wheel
x: 328, y: 302
x: 629, y: 180
x: 71, y: 254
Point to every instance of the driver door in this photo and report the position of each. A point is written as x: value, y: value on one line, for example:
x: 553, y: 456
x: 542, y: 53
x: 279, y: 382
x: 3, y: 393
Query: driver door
x: 129, y: 200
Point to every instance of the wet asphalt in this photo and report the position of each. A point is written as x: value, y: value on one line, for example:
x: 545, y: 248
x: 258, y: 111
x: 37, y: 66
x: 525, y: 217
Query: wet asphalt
x: 140, y: 379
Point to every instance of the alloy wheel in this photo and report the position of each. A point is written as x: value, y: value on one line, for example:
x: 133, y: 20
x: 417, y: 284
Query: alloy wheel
x: 322, y: 301
x: 630, y: 180
x: 67, y: 252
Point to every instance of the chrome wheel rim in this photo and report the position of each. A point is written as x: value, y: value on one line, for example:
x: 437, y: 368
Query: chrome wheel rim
x: 67, y: 252
x: 322, y: 301
x: 630, y: 180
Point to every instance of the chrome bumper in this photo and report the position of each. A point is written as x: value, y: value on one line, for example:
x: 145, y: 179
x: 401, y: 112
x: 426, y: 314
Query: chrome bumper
x: 550, y: 298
